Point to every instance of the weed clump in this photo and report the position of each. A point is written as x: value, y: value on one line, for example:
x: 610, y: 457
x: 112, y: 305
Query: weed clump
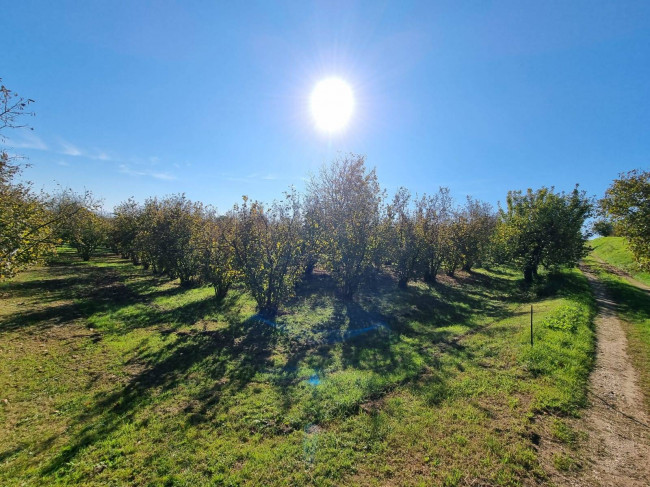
x: 567, y: 318
x: 565, y: 463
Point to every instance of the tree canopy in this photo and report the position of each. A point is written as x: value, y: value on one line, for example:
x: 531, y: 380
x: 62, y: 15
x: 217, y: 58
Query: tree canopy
x: 343, y: 224
x: 267, y: 246
x: 627, y: 203
x: 347, y: 200
x: 28, y: 225
x: 544, y: 228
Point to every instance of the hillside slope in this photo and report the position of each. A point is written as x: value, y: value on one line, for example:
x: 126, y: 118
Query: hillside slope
x: 615, y: 252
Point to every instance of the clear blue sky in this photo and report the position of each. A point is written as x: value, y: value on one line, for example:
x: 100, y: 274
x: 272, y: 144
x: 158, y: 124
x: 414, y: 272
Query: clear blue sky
x: 212, y: 98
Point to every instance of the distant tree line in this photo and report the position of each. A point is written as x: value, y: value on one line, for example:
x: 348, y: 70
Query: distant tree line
x: 343, y: 224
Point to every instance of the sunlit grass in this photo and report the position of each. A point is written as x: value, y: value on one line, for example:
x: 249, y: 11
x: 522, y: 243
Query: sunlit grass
x: 614, y: 251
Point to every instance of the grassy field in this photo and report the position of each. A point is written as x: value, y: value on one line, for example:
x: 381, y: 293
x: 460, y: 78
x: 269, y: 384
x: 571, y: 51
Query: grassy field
x: 614, y: 251
x: 112, y: 376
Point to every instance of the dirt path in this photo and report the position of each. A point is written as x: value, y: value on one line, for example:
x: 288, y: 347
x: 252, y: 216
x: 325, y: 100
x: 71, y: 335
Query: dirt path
x: 621, y: 273
x: 617, y: 451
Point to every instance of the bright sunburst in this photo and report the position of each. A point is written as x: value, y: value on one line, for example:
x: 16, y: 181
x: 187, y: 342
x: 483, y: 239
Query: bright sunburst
x: 332, y: 104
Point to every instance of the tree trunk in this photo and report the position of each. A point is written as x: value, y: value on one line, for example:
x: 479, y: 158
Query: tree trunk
x: 346, y: 292
x: 528, y: 274
x: 220, y: 292
x: 429, y: 278
x: 268, y: 311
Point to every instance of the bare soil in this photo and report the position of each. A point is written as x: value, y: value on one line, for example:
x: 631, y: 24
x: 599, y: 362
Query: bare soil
x: 616, y: 451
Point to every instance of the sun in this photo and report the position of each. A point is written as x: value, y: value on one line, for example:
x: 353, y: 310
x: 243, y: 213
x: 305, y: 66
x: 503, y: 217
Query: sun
x: 332, y: 104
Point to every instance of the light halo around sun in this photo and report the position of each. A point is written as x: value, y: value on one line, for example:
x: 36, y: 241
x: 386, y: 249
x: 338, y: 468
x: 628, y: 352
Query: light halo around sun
x: 332, y: 104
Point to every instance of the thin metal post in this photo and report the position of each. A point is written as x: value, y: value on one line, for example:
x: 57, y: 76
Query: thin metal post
x: 531, y: 325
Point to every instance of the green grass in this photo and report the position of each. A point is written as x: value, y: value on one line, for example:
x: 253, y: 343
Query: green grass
x: 113, y: 376
x: 562, y: 432
x: 633, y: 307
x: 564, y: 462
x: 615, y: 252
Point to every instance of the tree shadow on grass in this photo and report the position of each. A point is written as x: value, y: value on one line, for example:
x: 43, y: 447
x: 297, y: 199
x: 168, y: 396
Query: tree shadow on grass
x: 101, y: 291
x: 365, y: 334
x: 364, y: 340
x: 316, y: 290
x: 90, y: 289
x: 230, y: 356
x: 145, y: 315
x: 425, y: 310
x: 629, y: 300
x: 368, y: 329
